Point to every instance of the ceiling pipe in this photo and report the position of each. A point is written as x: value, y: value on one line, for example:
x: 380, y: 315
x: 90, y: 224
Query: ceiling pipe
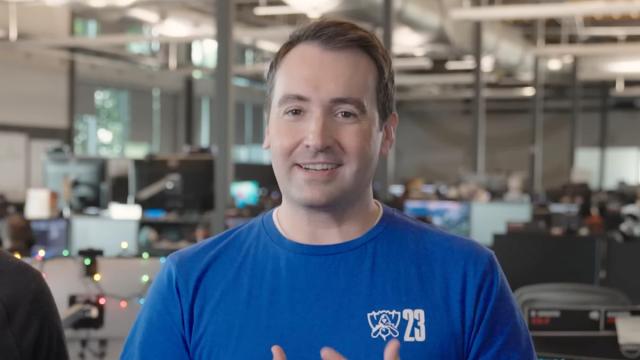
x: 556, y: 10
x: 506, y: 43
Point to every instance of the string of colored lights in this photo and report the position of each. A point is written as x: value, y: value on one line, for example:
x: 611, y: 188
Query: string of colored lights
x: 123, y: 300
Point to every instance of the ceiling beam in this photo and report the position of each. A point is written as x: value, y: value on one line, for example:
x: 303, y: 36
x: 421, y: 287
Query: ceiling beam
x: 546, y: 10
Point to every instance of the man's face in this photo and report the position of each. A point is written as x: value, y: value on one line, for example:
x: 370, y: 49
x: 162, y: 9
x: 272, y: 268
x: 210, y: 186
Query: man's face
x: 323, y: 130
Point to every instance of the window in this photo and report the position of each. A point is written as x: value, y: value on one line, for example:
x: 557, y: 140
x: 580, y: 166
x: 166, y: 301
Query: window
x: 85, y: 27
x: 106, y: 132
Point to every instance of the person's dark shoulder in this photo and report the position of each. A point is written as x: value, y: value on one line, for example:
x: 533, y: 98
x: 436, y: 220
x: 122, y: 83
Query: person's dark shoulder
x: 17, y: 277
x: 29, y: 314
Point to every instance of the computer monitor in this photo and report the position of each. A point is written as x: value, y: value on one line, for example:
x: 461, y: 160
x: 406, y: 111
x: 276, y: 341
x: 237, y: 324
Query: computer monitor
x: 488, y: 219
x: 245, y: 193
x: 52, y: 236
x: 79, y: 182
x: 565, y: 216
x: 533, y: 258
x: 183, y: 184
x: 451, y: 216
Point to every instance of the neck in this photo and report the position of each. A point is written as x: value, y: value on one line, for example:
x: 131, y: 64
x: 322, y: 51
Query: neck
x: 325, y: 227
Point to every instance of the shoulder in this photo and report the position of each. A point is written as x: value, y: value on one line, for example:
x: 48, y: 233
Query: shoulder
x: 232, y: 240
x: 427, y: 240
x: 14, y: 269
x: 22, y: 286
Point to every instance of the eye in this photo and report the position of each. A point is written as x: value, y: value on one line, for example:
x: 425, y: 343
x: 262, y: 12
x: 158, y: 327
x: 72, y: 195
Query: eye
x: 346, y: 114
x: 293, y: 112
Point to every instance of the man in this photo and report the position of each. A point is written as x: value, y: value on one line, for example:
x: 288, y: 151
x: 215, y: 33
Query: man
x: 30, y: 326
x: 331, y: 270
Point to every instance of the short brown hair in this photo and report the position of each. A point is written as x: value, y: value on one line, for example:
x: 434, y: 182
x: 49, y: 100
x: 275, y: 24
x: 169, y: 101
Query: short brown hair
x: 342, y: 35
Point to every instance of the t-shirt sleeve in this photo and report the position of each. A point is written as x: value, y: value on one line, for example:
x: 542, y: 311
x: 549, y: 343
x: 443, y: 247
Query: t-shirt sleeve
x: 498, y: 330
x: 159, y: 331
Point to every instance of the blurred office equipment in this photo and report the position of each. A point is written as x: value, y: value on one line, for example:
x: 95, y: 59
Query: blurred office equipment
x: 534, y: 258
x: 51, y: 237
x: 183, y: 184
x: 575, y: 321
x: 245, y: 193
x: 451, y: 216
x: 113, y: 237
x: 79, y: 182
x: 41, y: 204
x: 488, y: 219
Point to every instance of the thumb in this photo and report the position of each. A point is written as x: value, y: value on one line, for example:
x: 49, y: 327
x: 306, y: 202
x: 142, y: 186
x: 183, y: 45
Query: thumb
x: 392, y: 350
x: 278, y: 353
x: 327, y: 353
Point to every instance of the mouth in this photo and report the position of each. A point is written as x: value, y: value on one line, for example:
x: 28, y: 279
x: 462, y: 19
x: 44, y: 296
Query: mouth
x: 319, y: 167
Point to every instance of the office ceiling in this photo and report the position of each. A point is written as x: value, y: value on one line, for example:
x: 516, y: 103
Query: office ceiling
x: 432, y: 46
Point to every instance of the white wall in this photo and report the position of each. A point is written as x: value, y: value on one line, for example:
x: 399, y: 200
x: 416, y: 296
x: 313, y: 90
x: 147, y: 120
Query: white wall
x: 34, y: 91
x: 34, y: 87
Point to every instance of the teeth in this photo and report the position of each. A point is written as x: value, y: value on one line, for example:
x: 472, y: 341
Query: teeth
x: 319, y: 167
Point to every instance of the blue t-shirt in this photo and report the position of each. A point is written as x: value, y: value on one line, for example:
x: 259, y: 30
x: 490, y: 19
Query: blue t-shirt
x: 239, y: 293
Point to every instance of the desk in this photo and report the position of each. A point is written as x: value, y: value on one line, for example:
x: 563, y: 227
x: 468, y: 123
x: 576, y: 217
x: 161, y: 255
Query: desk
x: 577, y: 347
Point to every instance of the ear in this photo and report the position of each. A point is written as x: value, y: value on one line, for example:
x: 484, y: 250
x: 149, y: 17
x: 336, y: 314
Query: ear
x: 389, y: 133
x: 266, y: 143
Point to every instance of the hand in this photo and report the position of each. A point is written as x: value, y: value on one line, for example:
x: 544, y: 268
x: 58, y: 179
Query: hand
x: 391, y: 352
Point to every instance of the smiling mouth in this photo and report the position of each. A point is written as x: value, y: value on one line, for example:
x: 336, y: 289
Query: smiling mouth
x: 319, y: 166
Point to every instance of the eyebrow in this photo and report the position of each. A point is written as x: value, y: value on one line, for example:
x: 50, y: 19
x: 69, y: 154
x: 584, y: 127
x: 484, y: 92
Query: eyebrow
x: 286, y: 98
x: 355, y: 102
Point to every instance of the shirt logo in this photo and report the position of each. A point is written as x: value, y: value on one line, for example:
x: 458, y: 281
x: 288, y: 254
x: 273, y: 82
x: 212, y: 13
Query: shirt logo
x: 386, y: 323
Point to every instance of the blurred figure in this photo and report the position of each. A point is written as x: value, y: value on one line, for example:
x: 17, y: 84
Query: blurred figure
x: 30, y: 327
x: 515, y: 186
x: 19, y: 235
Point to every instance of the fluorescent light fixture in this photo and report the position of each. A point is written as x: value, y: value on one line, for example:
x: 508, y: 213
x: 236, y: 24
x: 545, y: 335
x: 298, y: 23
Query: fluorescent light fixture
x: 487, y: 63
x: 267, y: 45
x: 275, y: 10
x: 622, y: 67
x: 466, y: 64
x: 405, y: 37
x: 98, y: 3
x: 412, y: 63
x: 104, y: 3
x: 554, y: 64
x: 55, y: 2
x: 528, y: 91
x: 569, y: 9
x: 173, y: 27
x: 145, y: 15
x: 313, y: 8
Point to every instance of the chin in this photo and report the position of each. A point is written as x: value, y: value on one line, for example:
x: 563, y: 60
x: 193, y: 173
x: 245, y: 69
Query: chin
x: 318, y: 201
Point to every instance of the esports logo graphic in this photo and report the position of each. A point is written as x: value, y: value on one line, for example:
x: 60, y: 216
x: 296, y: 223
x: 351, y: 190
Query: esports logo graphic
x: 384, y: 323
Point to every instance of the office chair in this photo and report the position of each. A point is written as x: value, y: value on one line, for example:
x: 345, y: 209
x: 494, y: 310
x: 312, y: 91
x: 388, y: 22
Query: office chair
x: 568, y: 294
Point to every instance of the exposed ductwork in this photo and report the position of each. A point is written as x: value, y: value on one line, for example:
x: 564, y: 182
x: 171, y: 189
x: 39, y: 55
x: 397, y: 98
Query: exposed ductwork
x: 506, y: 43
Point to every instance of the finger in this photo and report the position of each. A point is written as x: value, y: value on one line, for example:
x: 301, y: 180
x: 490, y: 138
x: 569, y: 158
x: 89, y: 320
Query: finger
x: 328, y: 353
x: 392, y: 350
x: 278, y: 353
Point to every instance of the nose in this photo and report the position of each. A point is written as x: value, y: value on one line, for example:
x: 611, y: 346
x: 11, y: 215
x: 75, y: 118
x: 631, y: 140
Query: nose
x: 319, y: 134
